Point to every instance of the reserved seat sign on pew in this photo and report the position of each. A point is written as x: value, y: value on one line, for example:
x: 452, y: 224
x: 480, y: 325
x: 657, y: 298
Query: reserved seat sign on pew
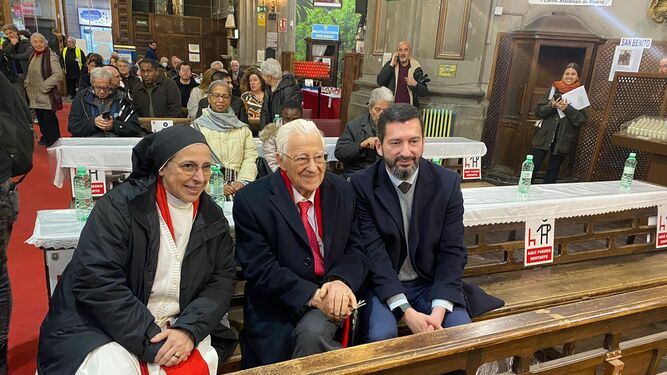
x: 661, y: 227
x: 539, y: 242
x: 472, y: 168
x: 157, y: 125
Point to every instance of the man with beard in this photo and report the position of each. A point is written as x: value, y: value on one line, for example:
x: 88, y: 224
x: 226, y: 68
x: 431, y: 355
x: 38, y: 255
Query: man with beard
x: 404, y: 76
x: 410, y: 215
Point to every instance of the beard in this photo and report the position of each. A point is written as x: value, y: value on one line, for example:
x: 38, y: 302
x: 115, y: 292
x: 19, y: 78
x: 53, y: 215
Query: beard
x: 401, y: 173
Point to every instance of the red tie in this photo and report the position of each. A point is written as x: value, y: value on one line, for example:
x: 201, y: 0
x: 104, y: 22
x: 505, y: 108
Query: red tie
x: 312, y: 239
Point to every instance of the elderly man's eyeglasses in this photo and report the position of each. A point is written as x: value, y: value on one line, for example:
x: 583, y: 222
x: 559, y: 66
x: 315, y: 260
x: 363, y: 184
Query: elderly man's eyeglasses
x: 102, y: 88
x: 217, y: 96
x: 190, y: 168
x: 303, y: 160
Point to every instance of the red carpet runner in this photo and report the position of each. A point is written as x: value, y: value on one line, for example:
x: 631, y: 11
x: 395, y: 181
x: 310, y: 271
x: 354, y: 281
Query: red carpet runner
x: 26, y: 264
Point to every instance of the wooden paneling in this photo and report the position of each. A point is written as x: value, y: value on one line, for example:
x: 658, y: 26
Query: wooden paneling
x: 452, y: 29
x: 379, y: 23
x: 5, y: 15
x: 123, y: 27
x: 352, y: 64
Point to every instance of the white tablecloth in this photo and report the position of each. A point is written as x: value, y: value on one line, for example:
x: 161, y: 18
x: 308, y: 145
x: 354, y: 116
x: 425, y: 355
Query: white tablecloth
x: 491, y: 205
x: 453, y: 148
x: 59, y: 229
x: 495, y: 205
x: 103, y: 154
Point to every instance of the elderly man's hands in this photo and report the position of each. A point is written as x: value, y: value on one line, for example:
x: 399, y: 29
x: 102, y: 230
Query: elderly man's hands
x: 369, y: 143
x: 106, y: 125
x: 176, y: 349
x: 335, y: 299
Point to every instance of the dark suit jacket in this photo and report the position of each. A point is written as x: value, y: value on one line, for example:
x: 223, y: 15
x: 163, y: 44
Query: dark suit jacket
x: 437, y: 249
x: 272, y: 248
x: 353, y: 157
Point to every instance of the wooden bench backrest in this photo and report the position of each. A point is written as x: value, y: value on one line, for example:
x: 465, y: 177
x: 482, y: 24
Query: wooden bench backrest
x: 146, y: 121
x: 519, y: 336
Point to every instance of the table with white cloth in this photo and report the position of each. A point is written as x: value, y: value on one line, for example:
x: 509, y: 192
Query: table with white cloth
x: 57, y: 231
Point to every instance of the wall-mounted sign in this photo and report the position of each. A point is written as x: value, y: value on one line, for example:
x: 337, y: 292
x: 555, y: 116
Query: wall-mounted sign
x: 328, y: 3
x: 596, y: 3
x: 447, y: 70
x: 95, y: 17
x: 325, y: 32
x: 261, y: 9
x: 273, y: 16
x: 636, y: 42
x: 272, y: 39
x: 282, y: 25
x: 261, y: 19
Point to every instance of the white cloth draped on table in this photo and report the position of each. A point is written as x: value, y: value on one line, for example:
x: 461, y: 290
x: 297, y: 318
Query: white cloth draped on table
x: 163, y: 302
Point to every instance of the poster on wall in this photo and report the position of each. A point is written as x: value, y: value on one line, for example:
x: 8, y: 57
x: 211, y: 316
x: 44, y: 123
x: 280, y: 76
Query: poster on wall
x: 328, y: 3
x: 596, y: 3
x: 193, y: 48
x: 626, y: 59
x: 194, y: 57
x: 95, y: 17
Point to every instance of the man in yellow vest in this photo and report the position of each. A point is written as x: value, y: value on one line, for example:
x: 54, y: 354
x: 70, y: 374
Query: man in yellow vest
x: 73, y: 59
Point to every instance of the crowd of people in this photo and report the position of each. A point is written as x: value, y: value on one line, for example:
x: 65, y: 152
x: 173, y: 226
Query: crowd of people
x: 150, y: 283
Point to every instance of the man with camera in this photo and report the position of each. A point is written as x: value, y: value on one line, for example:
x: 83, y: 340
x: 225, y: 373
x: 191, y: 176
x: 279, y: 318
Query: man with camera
x: 100, y: 111
x: 404, y: 76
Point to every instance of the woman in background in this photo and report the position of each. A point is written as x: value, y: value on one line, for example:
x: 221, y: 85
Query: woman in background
x: 253, y: 86
x: 199, y: 92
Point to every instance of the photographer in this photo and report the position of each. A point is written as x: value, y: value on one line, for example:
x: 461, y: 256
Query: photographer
x: 404, y: 76
x: 99, y: 111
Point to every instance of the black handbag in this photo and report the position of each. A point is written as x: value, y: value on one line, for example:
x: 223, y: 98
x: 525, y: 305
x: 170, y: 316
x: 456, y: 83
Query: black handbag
x: 478, y: 301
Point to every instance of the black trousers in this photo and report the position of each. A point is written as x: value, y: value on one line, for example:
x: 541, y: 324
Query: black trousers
x: 48, y: 124
x: 8, y: 213
x: 553, y: 168
x: 72, y: 84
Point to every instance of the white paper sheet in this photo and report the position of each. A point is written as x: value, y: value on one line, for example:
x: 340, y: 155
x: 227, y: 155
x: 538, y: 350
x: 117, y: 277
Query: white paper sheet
x: 577, y: 98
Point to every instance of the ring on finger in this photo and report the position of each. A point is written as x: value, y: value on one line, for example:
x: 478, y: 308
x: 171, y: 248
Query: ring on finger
x: 177, y: 355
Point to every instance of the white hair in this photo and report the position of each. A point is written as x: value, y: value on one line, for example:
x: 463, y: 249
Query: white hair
x: 380, y: 94
x: 298, y: 126
x: 34, y: 36
x: 272, y: 67
x: 216, y: 63
x: 71, y: 38
x: 100, y: 73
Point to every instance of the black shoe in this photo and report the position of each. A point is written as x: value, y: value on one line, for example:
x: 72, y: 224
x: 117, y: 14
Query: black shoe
x: 42, y: 142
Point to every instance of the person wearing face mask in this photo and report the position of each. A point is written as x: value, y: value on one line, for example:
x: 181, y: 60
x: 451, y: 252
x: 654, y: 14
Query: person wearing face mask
x: 41, y: 84
x: 557, y: 136
x: 404, y: 76
x: 153, y: 273
x: 355, y: 148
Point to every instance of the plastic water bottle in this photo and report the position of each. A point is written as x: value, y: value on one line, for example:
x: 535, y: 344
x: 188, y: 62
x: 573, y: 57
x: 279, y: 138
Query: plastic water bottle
x: 277, y: 120
x: 217, y: 185
x: 83, y: 194
x: 628, y: 172
x: 526, y: 175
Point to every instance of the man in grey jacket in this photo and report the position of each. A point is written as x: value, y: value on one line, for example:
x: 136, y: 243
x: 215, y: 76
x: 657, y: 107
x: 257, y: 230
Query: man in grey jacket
x: 355, y: 148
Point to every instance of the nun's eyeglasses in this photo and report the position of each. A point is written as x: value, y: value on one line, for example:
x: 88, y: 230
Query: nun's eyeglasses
x: 190, y: 168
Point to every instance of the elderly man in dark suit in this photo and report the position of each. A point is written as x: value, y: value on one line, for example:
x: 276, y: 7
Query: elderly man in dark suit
x: 298, y: 243
x: 411, y: 219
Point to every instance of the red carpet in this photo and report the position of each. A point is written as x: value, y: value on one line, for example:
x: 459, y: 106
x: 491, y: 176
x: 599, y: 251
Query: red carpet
x: 26, y: 262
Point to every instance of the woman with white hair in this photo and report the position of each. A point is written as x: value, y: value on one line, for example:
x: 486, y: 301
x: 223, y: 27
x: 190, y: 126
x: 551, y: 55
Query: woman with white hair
x: 356, y: 146
x: 280, y: 88
x: 218, y: 65
x: 41, y: 85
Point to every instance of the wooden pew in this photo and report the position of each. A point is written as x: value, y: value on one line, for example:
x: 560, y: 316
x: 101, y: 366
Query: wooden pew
x: 603, y: 321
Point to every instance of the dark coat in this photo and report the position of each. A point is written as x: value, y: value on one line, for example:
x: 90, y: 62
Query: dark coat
x: 130, y: 81
x: 287, y: 89
x: 564, y: 131
x: 353, y: 157
x: 166, y: 98
x: 82, y: 116
x: 272, y: 248
x: 18, y: 54
x: 437, y: 250
x: 387, y: 78
x: 151, y: 54
x: 236, y: 83
x: 237, y: 106
x: 104, y: 290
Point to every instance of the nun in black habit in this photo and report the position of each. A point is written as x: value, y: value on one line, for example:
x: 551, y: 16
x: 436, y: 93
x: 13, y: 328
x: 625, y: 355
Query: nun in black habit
x: 153, y: 273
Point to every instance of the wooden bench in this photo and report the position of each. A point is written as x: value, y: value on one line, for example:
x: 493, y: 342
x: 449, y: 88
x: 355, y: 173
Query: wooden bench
x: 621, y: 332
x: 146, y: 121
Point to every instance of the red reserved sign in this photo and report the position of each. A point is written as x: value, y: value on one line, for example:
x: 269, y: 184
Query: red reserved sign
x: 539, y: 242
x: 97, y: 188
x: 472, y: 168
x: 661, y: 227
x: 540, y: 255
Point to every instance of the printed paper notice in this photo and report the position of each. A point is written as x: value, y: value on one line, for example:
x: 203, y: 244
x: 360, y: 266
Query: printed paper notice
x: 157, y: 125
x: 577, y: 98
x: 194, y: 48
x: 193, y: 57
x: 539, y: 242
x: 626, y: 59
x: 472, y: 168
x: 661, y: 227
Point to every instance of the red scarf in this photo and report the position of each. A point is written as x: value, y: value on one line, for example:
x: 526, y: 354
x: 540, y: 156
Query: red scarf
x: 347, y: 325
x: 195, y: 364
x: 563, y: 87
